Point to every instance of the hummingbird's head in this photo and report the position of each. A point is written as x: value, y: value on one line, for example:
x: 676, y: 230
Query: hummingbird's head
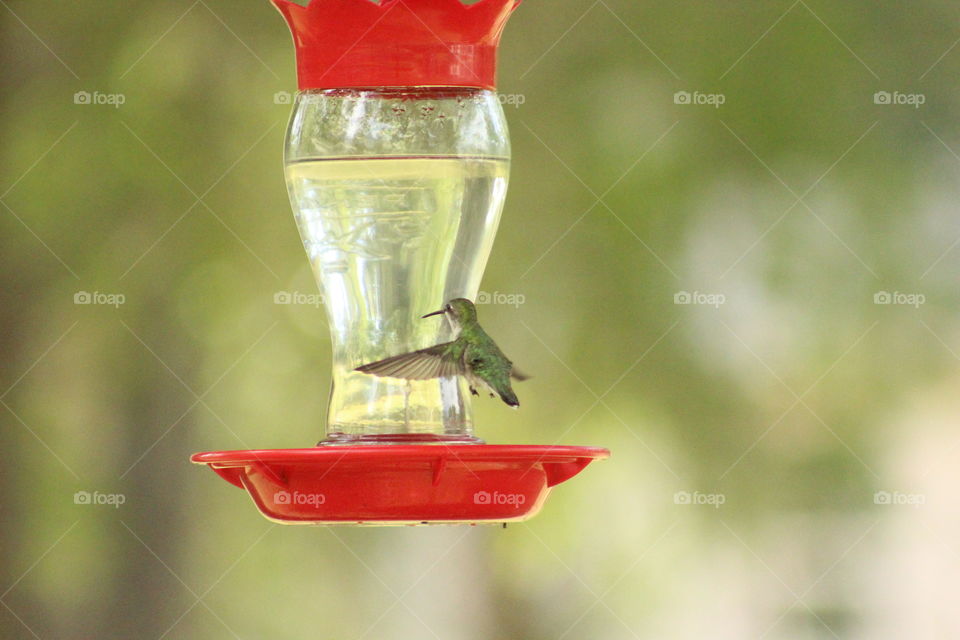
x: 459, y: 310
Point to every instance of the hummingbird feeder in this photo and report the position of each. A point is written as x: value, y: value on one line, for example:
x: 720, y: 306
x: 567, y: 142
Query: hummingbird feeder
x: 397, y: 160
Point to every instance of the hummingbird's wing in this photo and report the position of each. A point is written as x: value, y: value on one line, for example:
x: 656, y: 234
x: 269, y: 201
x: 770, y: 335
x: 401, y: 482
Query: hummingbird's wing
x: 438, y: 361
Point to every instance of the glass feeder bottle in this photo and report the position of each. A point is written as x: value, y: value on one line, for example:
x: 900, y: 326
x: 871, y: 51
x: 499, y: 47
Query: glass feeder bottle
x: 397, y: 159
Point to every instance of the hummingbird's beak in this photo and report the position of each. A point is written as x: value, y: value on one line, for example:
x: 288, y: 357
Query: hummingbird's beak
x: 435, y: 313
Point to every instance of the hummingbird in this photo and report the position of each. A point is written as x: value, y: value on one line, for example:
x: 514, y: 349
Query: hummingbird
x: 472, y: 354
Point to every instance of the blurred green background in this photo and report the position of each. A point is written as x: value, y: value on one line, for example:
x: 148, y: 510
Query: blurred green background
x: 823, y: 420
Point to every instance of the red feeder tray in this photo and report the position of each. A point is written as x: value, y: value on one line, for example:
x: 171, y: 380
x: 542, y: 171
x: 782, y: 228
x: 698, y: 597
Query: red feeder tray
x: 400, y: 484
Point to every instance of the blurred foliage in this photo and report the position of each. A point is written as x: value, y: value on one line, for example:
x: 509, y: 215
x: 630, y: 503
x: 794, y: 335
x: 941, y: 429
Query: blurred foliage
x: 797, y: 199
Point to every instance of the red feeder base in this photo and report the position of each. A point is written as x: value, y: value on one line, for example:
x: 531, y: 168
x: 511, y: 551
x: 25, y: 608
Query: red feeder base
x: 400, y: 484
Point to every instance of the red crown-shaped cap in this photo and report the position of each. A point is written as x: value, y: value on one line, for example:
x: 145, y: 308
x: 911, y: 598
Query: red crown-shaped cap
x: 396, y: 43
